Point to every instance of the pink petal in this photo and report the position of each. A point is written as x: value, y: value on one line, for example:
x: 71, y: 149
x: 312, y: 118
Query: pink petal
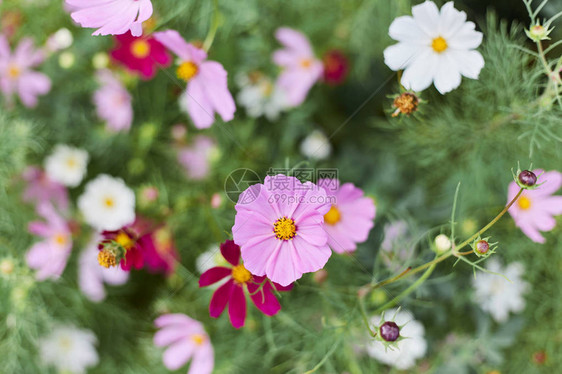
x: 281, y: 265
x: 293, y: 39
x: 231, y: 252
x: 40, y: 228
x: 551, y: 205
x: 203, y: 360
x: 32, y: 84
x: 237, y: 307
x: 199, y: 107
x: 178, y: 354
x: 264, y: 300
x: 214, y: 275
x: 220, y: 299
x: 172, y: 319
x: 307, y: 258
x: 258, y: 253
x: 172, y: 40
x: 169, y: 335
x: 216, y: 88
x: 552, y: 183
x: 531, y: 232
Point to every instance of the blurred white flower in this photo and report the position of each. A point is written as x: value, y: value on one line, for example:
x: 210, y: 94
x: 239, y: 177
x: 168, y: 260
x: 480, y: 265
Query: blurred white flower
x: 434, y: 47
x: 66, y: 165
x: 396, y: 248
x: 442, y: 243
x: 92, y: 276
x: 498, y: 296
x: 260, y: 96
x: 210, y: 259
x: 107, y: 203
x: 61, y: 39
x: 69, y: 349
x: 316, y: 146
x: 408, y: 350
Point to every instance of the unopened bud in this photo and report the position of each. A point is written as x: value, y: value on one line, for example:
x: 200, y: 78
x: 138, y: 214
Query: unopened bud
x: 389, y: 331
x: 407, y: 103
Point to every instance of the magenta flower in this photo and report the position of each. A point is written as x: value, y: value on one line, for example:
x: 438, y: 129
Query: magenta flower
x: 140, y: 54
x: 534, y: 210
x: 49, y: 256
x: 301, y: 69
x: 196, y: 159
x: 92, y: 276
x: 159, y: 252
x: 187, y: 340
x: 279, y: 226
x: 16, y: 75
x: 232, y: 292
x: 113, y: 102
x: 207, y: 87
x: 350, y: 218
x: 111, y: 17
x: 40, y: 189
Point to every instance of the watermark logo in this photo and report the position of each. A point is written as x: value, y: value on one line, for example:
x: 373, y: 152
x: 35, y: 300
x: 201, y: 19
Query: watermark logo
x: 239, y: 181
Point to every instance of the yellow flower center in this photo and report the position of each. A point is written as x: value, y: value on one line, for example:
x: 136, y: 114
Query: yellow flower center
x: 198, y: 339
x: 284, y: 228
x: 439, y: 44
x: 71, y: 163
x: 109, y: 202
x: 13, y: 71
x: 65, y: 343
x: 140, y: 48
x: 333, y: 216
x: 240, y: 274
x: 524, y: 202
x: 124, y: 240
x: 106, y: 259
x: 60, y: 239
x: 306, y: 63
x: 187, y: 70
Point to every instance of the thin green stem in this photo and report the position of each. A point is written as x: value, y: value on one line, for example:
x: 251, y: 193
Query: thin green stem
x: 215, y: 23
x: 365, y: 318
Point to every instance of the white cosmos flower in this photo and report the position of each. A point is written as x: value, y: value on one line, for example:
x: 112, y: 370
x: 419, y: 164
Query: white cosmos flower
x: 434, y: 47
x: 66, y: 165
x: 316, y: 146
x: 210, y: 259
x: 69, y: 349
x: 260, y: 96
x: 107, y: 203
x: 498, y: 296
x: 408, y: 350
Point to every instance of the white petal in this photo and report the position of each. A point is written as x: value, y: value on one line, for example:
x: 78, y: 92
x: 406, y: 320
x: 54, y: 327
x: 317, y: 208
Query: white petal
x: 405, y: 29
x: 466, y: 37
x: 427, y: 18
x: 447, y: 77
x: 451, y: 20
x: 419, y: 74
x: 469, y: 63
x: 401, y: 55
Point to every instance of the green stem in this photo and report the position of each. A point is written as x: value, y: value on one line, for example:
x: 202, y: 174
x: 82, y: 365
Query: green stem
x: 214, y: 27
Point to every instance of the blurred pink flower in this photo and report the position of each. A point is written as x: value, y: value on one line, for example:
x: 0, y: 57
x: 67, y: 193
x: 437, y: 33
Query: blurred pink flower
x: 113, y: 102
x: 49, y: 256
x: 160, y: 254
x: 111, y: 17
x: 279, y: 226
x: 350, y: 218
x: 40, y: 189
x: 301, y: 69
x: 16, y: 75
x: 92, y: 276
x: 187, y: 340
x: 232, y: 291
x: 534, y: 210
x: 196, y: 158
x: 207, y: 86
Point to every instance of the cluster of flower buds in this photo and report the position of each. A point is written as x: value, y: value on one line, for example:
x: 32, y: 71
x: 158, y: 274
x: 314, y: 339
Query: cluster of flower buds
x: 483, y: 248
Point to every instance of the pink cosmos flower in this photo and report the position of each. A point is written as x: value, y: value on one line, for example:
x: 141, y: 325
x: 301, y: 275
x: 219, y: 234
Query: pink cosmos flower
x: 187, y: 340
x: 92, y: 276
x: 196, y: 158
x: 232, y: 292
x: 49, y: 256
x: 159, y: 252
x: 301, y: 69
x: 207, y: 87
x: 111, y: 17
x: 350, y: 218
x: 142, y: 54
x: 40, y: 189
x: 534, y: 210
x: 16, y: 75
x: 113, y: 102
x: 279, y: 226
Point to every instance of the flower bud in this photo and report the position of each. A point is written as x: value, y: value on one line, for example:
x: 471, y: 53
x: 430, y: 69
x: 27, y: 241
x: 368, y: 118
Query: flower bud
x: 527, y: 178
x: 538, y: 32
x: 482, y: 247
x: 389, y: 331
x: 442, y: 243
x: 407, y: 103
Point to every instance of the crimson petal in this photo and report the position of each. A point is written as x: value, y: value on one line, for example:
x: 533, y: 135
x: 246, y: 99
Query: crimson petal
x: 220, y: 299
x: 214, y: 275
x: 231, y: 252
x: 237, y: 307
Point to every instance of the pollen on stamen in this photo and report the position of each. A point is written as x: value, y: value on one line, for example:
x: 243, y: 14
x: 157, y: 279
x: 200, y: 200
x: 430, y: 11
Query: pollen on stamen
x: 439, y: 44
x: 285, y: 229
x: 107, y: 259
x: 187, y: 70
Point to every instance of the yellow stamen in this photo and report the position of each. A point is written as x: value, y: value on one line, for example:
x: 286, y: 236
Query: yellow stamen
x: 13, y: 71
x: 284, y: 228
x: 333, y: 216
x: 439, y: 44
x: 524, y: 202
x: 124, y: 240
x: 109, y: 202
x: 187, y: 70
x: 140, y: 48
x: 71, y: 163
x: 198, y: 339
x: 60, y: 239
x: 240, y: 274
x: 106, y: 259
x: 306, y: 63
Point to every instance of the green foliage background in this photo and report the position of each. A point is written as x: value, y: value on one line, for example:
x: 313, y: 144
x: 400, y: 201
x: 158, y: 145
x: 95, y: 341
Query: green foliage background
x: 473, y: 135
